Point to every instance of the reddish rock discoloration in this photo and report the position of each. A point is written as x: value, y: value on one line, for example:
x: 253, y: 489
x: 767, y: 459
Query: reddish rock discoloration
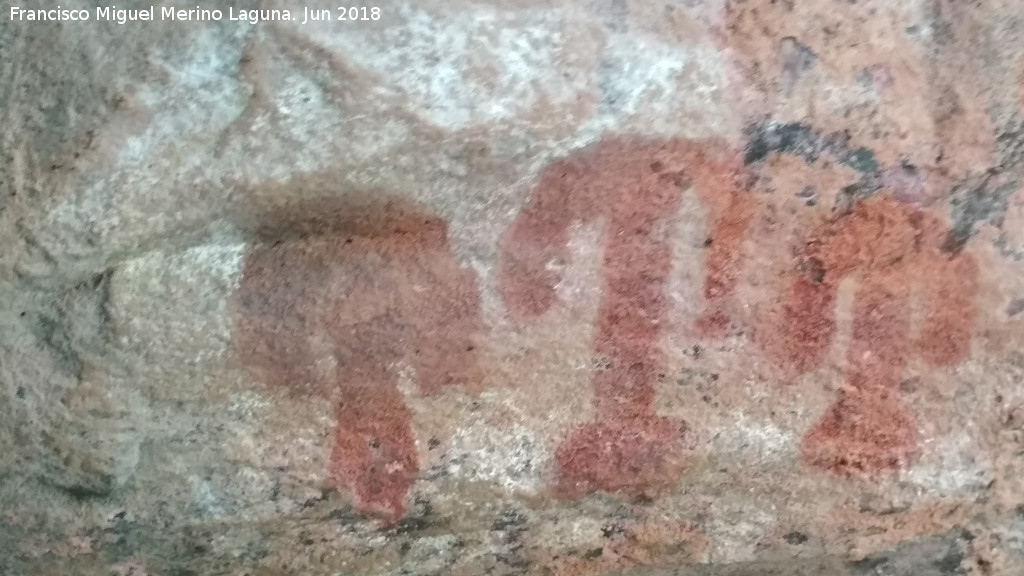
x: 895, y: 253
x: 331, y: 312
x: 635, y: 188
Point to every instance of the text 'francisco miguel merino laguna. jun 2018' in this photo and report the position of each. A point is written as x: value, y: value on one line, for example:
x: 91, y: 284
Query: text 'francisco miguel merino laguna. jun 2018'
x: 123, y: 16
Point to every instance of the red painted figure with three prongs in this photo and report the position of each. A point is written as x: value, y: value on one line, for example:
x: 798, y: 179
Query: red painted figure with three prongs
x: 634, y: 187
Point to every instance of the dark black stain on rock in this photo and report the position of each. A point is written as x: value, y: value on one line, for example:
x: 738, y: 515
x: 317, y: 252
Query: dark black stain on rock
x: 420, y: 518
x: 973, y: 201
x: 412, y: 524
x: 795, y: 538
x: 612, y: 530
x: 792, y: 138
x: 801, y: 140
x: 509, y: 519
x: 103, y: 486
x: 796, y: 139
x: 984, y: 196
x: 862, y: 160
x: 346, y: 516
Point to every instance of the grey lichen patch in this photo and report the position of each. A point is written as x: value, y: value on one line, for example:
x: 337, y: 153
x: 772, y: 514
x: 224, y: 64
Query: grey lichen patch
x: 73, y: 459
x: 52, y: 335
x: 63, y: 426
x: 941, y: 555
x: 984, y: 196
x: 76, y: 326
x: 977, y: 199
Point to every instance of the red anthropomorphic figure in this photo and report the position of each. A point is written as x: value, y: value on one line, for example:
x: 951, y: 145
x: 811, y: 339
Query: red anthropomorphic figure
x: 634, y: 188
x: 366, y: 288
x: 893, y: 252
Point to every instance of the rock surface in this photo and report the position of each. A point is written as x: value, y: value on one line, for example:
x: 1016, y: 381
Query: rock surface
x: 722, y: 287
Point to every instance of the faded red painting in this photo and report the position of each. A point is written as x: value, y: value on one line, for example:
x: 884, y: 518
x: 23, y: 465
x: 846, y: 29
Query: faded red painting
x: 334, y: 309
x: 897, y: 257
x: 634, y: 188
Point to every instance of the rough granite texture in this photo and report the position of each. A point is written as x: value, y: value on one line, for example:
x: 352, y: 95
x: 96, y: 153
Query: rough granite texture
x: 578, y: 288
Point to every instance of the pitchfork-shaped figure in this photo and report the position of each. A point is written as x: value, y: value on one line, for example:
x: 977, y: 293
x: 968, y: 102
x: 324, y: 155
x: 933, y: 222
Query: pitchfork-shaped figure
x: 635, y: 189
x: 893, y: 252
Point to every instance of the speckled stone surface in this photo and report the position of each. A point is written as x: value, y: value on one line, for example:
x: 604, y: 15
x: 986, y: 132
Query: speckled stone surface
x: 595, y: 287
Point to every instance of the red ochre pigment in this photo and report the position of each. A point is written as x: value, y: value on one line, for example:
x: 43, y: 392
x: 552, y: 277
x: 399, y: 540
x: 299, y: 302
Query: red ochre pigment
x: 635, y: 188
x: 368, y: 289
x: 893, y: 252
